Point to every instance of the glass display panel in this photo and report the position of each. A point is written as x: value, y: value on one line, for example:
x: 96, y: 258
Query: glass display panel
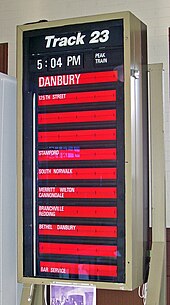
x: 73, y: 152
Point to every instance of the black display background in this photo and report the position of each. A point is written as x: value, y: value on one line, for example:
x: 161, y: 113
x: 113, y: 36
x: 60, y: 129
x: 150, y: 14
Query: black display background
x: 33, y: 50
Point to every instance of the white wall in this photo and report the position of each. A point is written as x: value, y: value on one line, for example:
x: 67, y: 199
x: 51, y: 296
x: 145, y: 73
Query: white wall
x: 8, y: 230
x: 155, y: 13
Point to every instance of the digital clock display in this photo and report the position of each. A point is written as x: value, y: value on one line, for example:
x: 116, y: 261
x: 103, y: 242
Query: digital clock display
x: 73, y: 152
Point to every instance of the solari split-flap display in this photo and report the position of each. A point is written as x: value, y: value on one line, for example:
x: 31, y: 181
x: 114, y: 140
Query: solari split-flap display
x: 83, y: 151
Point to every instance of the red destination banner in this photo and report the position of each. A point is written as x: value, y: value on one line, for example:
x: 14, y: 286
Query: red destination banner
x: 77, y: 98
x: 81, y: 269
x: 77, y: 79
x: 78, y: 249
x: 77, y: 192
x: 77, y: 211
x: 77, y: 117
x: 77, y: 154
x: 77, y: 135
x: 77, y: 230
x: 77, y: 173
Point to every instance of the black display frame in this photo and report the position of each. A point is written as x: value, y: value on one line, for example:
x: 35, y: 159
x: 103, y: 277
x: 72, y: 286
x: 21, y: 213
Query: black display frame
x: 29, y: 78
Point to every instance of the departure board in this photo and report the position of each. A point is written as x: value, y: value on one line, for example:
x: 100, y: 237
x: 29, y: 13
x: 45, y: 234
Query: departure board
x: 74, y: 152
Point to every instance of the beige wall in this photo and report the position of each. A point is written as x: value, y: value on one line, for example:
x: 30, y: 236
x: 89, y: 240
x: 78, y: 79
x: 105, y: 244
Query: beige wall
x: 155, y: 13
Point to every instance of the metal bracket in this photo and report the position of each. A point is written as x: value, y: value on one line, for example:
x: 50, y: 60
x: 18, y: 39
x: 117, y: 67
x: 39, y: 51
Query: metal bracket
x: 32, y: 295
x: 157, y: 275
